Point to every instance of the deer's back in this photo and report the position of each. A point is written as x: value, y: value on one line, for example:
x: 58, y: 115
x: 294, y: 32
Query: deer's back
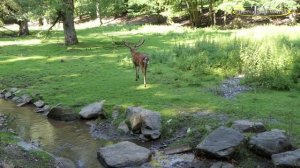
x: 139, y: 58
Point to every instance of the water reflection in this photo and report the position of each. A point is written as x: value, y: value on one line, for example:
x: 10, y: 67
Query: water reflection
x: 65, y: 139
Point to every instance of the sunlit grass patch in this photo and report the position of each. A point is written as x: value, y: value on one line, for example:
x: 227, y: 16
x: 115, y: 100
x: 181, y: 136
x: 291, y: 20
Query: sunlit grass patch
x: 21, y: 42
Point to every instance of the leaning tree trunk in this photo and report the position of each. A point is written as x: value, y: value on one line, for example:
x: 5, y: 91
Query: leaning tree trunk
x: 23, y: 27
x: 68, y: 22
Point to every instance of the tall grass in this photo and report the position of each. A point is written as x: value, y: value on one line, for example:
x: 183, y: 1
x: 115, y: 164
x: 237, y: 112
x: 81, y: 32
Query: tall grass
x: 267, y: 58
x: 268, y: 63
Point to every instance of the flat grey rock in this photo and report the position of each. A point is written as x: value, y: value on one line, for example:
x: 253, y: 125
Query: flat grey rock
x: 44, y: 109
x: 39, y: 103
x: 248, y: 126
x: 17, y: 99
x: 268, y: 143
x: 25, y: 99
x: 123, y: 154
x: 93, y: 110
x: 221, y: 143
x: 287, y: 159
x: 8, y: 95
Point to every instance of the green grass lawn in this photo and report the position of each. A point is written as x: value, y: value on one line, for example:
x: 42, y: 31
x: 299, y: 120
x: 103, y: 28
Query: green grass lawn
x: 96, y: 69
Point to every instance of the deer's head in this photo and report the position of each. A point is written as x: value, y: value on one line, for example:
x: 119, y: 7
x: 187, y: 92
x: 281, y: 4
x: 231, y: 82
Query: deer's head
x: 133, y: 47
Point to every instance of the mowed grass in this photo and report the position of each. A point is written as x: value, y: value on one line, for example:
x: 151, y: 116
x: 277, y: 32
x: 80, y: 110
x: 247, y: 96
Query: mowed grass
x: 96, y: 69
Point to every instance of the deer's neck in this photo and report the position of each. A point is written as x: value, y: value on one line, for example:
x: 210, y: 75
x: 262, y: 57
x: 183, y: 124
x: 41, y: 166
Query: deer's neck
x: 135, y: 54
x: 133, y: 51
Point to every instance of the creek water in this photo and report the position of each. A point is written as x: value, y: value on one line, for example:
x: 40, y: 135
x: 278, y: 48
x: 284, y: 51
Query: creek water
x: 70, y: 140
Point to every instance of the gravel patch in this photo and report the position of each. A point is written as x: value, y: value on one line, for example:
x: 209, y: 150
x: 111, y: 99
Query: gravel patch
x: 231, y: 87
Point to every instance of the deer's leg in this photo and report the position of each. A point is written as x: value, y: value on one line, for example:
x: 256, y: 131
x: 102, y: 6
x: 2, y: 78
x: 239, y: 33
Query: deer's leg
x: 144, y: 69
x: 136, y: 73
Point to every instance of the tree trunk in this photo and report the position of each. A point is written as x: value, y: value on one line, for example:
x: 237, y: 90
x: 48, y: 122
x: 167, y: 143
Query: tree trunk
x: 201, y: 6
x: 68, y: 22
x: 225, y: 18
x: 194, y: 13
x: 211, y: 12
x: 99, y: 15
x: 41, y: 21
x: 23, y: 28
x: 215, y: 18
x: 125, y: 12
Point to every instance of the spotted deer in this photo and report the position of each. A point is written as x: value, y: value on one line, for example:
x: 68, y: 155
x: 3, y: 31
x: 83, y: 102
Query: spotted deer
x: 139, y: 60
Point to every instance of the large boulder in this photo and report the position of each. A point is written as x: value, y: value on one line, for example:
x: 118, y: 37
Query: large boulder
x: 248, y: 126
x: 268, y: 143
x: 287, y: 159
x: 221, y: 143
x: 123, y: 154
x: 62, y: 114
x: 144, y: 121
x: 1, y: 96
x: 92, y: 110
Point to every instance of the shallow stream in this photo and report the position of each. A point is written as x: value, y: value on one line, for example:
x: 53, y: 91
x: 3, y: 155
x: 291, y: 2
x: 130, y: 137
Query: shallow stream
x: 70, y: 140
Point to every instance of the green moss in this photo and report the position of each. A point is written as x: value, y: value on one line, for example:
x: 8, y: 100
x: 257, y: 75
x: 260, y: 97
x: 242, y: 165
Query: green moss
x: 7, y: 138
x: 41, y: 155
